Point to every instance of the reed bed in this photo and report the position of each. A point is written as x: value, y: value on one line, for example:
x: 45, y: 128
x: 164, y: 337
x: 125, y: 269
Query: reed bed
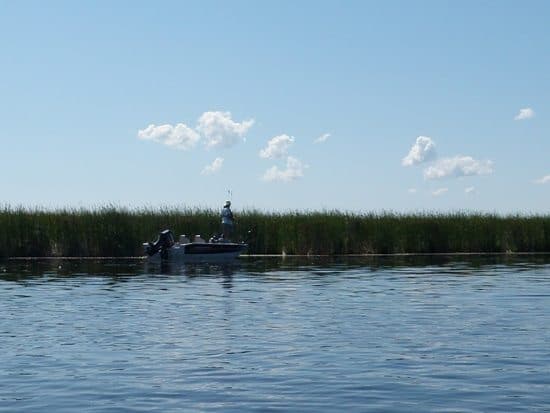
x: 117, y: 231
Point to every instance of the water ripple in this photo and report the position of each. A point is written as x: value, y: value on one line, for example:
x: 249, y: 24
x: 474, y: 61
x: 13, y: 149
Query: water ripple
x: 416, y: 334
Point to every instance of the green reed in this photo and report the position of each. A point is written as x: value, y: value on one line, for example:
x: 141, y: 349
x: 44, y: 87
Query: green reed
x: 117, y: 231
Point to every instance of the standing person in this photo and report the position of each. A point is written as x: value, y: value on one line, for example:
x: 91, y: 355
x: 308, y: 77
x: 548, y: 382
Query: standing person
x: 227, y: 221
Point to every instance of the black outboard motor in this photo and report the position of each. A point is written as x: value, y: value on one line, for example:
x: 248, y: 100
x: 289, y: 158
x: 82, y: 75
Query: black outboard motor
x: 164, y: 242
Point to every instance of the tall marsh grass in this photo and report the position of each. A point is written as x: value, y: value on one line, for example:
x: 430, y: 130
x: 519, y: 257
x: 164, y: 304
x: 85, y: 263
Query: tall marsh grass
x: 116, y: 231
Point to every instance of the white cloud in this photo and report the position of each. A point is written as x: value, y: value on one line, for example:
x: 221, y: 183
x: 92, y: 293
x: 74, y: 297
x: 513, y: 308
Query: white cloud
x: 412, y: 191
x: 180, y: 136
x: 470, y: 190
x: 543, y: 180
x: 525, y: 113
x: 458, y: 166
x: 219, y: 130
x: 214, y: 167
x: 322, y: 138
x: 440, y: 191
x: 294, y: 170
x: 277, y: 147
x: 423, y: 150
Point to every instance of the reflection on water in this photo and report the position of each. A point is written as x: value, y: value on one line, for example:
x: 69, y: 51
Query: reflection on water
x: 25, y: 269
x: 406, y: 333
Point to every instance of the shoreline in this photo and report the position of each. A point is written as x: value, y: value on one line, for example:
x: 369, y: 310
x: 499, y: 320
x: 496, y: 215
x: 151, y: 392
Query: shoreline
x: 438, y: 254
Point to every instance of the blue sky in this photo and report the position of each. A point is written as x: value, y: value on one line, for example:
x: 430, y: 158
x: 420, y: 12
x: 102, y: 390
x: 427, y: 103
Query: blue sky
x: 420, y: 105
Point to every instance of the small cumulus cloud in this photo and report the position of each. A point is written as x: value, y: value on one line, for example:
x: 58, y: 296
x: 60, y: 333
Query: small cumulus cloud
x: 179, y: 136
x: 470, y: 190
x: 525, y: 113
x: 423, y: 150
x: 458, y: 166
x: 214, y: 167
x: 277, y: 147
x: 294, y: 170
x: 543, y: 180
x: 440, y: 191
x: 219, y: 130
x: 323, y: 138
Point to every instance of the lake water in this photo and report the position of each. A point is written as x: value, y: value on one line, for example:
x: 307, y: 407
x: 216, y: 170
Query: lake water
x: 304, y: 335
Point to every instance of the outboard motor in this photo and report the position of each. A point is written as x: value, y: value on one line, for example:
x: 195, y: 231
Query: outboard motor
x: 164, y: 242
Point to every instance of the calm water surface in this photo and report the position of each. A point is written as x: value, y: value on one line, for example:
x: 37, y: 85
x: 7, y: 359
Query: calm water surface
x: 355, y: 335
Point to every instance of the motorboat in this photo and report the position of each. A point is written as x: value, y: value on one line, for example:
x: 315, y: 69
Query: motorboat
x: 165, y: 248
